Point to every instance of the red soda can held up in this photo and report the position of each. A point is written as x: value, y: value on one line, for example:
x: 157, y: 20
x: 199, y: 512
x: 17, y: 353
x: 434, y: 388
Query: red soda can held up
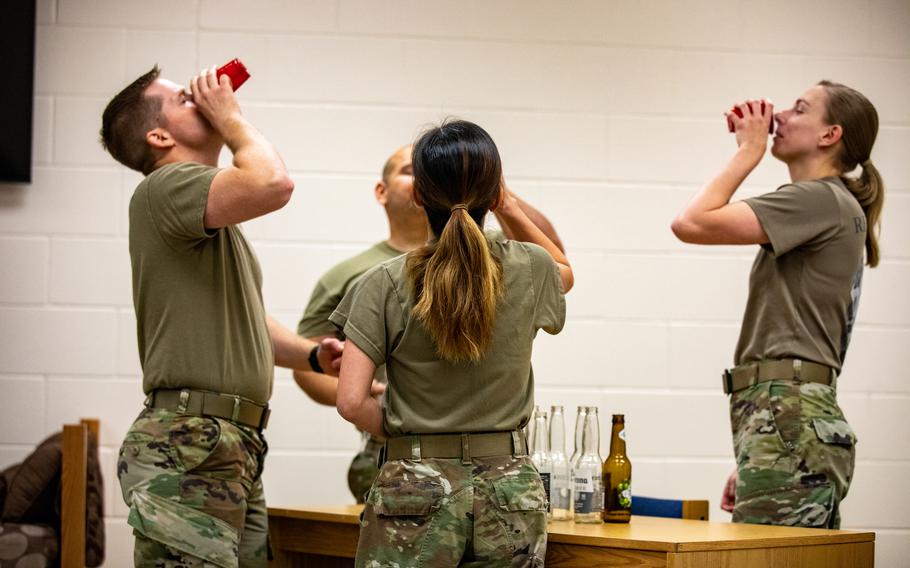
x: 735, y: 110
x: 236, y: 71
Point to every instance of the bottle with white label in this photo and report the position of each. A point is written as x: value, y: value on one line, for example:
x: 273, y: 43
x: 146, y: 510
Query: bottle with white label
x: 541, y: 454
x: 560, y: 481
x: 588, y: 475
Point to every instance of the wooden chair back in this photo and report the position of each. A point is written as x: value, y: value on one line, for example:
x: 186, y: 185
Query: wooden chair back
x: 72, y: 500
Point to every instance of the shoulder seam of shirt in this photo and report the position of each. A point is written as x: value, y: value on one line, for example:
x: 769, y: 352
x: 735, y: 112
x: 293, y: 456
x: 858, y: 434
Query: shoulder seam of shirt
x: 148, y: 208
x: 527, y: 250
x: 388, y: 275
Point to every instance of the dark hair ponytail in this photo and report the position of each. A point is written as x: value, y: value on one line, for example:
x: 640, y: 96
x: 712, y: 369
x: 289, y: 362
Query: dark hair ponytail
x: 456, y: 278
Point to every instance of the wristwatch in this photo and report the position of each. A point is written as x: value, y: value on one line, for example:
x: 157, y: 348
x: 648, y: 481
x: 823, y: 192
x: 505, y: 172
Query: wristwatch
x: 314, y: 360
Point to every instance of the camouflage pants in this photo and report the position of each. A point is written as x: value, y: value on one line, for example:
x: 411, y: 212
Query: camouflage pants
x: 794, y: 454
x: 440, y: 512
x: 364, y: 468
x: 194, y: 490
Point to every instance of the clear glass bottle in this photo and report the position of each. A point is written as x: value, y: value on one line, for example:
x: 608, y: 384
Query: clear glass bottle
x: 588, y: 473
x: 541, y: 454
x: 560, y: 481
x: 529, y: 430
x: 617, y: 476
x: 579, y: 429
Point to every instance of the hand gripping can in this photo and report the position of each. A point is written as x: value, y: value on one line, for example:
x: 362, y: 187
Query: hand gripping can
x: 236, y: 71
x: 735, y: 110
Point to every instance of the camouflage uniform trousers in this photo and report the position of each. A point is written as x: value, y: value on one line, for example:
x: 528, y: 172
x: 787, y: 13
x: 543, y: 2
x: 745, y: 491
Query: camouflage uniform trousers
x: 364, y: 468
x: 440, y: 512
x: 194, y: 488
x: 795, y: 454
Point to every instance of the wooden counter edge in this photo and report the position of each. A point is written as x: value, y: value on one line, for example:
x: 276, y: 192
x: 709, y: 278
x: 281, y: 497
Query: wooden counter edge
x: 846, y: 537
x: 342, y: 517
x: 349, y: 515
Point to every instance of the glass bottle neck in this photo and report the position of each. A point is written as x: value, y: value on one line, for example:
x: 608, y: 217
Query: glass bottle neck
x: 557, y: 433
x: 579, y: 429
x: 591, y: 438
x: 541, y: 443
x: 618, y: 439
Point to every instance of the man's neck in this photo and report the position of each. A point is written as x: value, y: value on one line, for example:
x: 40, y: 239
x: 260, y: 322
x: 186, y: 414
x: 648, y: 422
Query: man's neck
x: 208, y: 158
x: 405, y: 237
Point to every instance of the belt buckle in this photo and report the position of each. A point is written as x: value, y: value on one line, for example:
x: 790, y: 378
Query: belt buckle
x: 727, y: 378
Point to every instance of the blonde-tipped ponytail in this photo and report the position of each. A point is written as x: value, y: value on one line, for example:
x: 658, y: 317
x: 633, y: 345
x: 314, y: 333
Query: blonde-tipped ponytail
x: 456, y: 278
x: 458, y: 284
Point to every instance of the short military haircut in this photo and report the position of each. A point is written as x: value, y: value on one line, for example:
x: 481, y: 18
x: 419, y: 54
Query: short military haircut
x: 127, y: 119
x: 392, y: 163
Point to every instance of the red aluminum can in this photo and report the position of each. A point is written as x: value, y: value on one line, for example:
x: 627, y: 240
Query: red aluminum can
x: 236, y: 71
x: 735, y: 110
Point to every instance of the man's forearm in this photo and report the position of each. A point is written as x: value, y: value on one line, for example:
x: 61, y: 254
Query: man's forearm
x: 290, y: 350
x: 253, y: 153
x: 323, y: 389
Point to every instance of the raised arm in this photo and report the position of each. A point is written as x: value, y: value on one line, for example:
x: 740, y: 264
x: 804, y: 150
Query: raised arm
x: 517, y: 225
x: 709, y: 217
x: 535, y: 216
x: 257, y: 181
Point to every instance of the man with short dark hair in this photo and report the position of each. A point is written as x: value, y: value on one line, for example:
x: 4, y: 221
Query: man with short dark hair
x: 190, y: 466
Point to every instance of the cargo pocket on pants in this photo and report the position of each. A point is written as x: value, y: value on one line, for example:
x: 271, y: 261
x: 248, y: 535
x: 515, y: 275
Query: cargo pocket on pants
x: 399, y: 498
x: 523, y: 506
x: 799, y: 505
x: 183, y: 528
x: 834, y: 431
x: 522, y: 492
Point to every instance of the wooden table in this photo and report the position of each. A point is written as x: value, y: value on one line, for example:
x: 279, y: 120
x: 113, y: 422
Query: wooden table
x: 327, y: 536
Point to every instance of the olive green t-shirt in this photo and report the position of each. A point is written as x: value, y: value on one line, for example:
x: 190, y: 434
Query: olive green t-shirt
x: 334, y: 284
x: 200, y: 319
x: 805, y: 284
x: 430, y: 395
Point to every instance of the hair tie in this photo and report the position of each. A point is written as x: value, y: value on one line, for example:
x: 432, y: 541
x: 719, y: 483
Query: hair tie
x: 458, y: 206
x: 866, y: 163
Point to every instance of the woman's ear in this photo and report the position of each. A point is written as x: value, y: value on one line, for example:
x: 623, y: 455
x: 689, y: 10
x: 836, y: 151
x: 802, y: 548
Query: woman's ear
x: 831, y: 136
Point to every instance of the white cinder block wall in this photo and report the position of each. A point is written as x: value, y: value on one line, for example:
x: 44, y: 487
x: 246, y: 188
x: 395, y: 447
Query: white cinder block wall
x: 608, y: 116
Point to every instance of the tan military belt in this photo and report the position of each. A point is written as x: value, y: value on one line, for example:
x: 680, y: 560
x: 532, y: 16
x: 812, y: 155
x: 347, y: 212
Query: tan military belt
x: 748, y: 374
x: 205, y: 403
x: 464, y: 446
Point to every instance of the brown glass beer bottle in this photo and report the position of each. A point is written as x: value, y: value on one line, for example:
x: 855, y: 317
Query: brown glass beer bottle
x: 617, y: 476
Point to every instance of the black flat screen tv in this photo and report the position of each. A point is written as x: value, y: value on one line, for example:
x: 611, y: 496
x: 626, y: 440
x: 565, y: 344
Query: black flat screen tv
x: 17, y: 72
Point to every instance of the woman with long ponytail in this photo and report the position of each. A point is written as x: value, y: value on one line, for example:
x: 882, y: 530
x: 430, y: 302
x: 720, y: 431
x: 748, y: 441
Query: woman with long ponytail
x: 795, y: 451
x: 454, y: 322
